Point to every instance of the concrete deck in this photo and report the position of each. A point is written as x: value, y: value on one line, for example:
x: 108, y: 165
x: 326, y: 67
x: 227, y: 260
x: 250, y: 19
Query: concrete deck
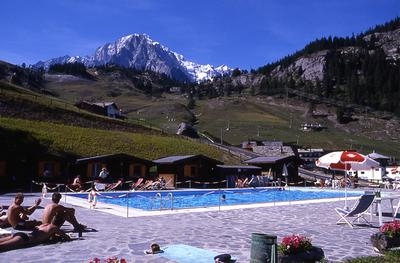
x: 227, y: 231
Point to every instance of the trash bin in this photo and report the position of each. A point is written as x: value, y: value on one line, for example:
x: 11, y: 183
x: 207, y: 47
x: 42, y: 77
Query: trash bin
x: 263, y: 248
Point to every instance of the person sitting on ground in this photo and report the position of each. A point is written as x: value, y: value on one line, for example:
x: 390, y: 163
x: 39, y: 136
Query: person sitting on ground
x: 68, y: 214
x: 40, y: 234
x: 18, y: 216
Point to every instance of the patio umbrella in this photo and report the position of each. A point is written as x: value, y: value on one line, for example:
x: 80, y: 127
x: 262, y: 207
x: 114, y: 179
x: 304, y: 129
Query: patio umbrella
x: 346, y: 161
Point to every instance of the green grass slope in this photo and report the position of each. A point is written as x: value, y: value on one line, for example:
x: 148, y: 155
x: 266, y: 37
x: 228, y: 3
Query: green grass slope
x: 92, y: 142
x: 235, y: 119
x: 60, y: 127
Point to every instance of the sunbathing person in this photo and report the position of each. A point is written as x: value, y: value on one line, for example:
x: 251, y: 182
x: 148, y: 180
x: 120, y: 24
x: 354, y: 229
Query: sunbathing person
x: 40, y: 234
x: 18, y: 216
x: 67, y: 214
x: 77, y: 184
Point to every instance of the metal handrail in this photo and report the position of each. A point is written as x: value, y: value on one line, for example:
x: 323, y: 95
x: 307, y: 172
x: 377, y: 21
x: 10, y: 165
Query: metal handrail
x: 171, y: 196
x: 158, y: 195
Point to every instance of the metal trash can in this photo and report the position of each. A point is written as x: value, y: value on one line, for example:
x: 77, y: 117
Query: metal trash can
x: 264, y: 248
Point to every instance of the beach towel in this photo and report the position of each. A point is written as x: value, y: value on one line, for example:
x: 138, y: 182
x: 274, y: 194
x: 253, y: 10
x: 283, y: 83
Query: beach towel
x: 188, y: 254
x: 4, y: 232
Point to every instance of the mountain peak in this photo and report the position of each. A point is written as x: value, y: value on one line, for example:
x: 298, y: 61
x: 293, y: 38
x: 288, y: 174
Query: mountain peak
x: 139, y: 51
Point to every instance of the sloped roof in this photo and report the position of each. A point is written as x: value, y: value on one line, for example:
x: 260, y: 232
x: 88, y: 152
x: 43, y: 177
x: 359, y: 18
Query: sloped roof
x: 106, y: 157
x: 239, y: 166
x: 375, y: 155
x: 181, y: 158
x: 104, y: 104
x: 266, y: 159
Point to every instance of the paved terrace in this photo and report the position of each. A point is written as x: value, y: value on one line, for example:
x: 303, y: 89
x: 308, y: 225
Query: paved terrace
x: 220, y: 231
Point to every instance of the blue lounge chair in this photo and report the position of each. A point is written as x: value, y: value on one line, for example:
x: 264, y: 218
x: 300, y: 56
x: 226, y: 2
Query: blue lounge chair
x: 359, y: 210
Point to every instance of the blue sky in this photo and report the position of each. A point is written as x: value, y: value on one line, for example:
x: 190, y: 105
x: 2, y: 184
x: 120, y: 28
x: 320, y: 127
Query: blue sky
x: 239, y: 33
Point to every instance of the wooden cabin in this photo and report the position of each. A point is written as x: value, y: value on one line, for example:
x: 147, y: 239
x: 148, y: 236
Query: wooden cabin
x: 273, y: 167
x: 230, y: 174
x: 193, y: 171
x: 120, y: 166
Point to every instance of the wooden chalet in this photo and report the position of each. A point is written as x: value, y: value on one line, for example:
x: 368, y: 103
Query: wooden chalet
x: 29, y: 172
x: 231, y: 173
x: 197, y: 171
x: 109, y: 109
x: 273, y: 167
x: 120, y: 166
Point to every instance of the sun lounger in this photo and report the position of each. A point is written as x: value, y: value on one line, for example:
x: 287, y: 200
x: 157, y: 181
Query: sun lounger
x: 146, y: 185
x: 136, y: 185
x: 113, y: 186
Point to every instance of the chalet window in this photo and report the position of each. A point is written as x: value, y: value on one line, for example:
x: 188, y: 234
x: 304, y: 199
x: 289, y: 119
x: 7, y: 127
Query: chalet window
x: 137, y: 170
x: 190, y: 171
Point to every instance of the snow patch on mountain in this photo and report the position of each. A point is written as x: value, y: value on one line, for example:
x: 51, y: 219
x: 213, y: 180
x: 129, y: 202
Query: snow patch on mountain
x: 139, y: 51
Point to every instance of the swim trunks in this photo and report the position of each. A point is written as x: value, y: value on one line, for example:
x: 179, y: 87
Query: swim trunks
x: 21, y: 226
x: 24, y: 236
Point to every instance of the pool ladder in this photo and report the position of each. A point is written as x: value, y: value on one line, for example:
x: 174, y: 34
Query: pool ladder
x: 163, y: 205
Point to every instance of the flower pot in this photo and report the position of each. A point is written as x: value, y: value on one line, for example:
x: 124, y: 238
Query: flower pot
x: 315, y: 254
x: 383, y: 242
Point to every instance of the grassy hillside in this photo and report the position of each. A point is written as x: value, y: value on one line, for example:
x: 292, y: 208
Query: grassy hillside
x: 272, y: 119
x: 61, y: 127
x: 92, y: 142
x: 235, y: 119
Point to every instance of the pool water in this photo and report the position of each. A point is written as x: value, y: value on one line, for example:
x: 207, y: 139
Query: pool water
x: 178, y: 199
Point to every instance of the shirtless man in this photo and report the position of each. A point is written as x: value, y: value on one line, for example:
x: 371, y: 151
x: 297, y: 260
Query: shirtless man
x: 18, y: 216
x: 40, y: 234
x: 68, y: 214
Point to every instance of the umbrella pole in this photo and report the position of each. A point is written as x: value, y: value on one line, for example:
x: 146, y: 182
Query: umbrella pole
x: 345, y: 194
x: 345, y: 187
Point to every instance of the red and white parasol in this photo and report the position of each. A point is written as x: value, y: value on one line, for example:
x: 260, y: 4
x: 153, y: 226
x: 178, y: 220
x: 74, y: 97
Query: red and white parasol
x: 346, y: 161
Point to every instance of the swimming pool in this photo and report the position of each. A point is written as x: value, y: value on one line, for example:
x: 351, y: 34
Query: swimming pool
x: 181, y: 199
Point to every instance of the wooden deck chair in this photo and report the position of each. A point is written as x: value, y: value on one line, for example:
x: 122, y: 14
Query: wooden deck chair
x: 113, y: 186
x: 146, y: 185
x: 136, y: 185
x: 359, y: 210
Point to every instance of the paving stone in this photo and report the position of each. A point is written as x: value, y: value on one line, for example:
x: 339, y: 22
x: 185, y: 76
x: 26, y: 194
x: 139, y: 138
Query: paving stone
x: 221, y: 231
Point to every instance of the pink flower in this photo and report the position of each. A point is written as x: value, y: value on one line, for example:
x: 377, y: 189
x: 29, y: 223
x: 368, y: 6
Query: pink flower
x: 391, y: 229
x: 294, y: 244
x: 113, y: 259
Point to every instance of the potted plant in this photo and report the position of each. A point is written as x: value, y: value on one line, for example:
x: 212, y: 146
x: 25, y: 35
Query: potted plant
x: 387, y: 237
x: 297, y: 248
x: 112, y: 259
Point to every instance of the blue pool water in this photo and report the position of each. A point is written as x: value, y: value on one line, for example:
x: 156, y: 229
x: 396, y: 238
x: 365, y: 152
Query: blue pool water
x: 177, y: 199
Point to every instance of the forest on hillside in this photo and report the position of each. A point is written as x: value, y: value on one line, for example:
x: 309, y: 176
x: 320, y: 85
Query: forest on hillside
x: 356, y: 71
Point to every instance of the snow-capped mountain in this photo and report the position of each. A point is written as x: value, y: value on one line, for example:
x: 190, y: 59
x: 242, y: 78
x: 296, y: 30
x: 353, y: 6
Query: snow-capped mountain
x: 140, y: 52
